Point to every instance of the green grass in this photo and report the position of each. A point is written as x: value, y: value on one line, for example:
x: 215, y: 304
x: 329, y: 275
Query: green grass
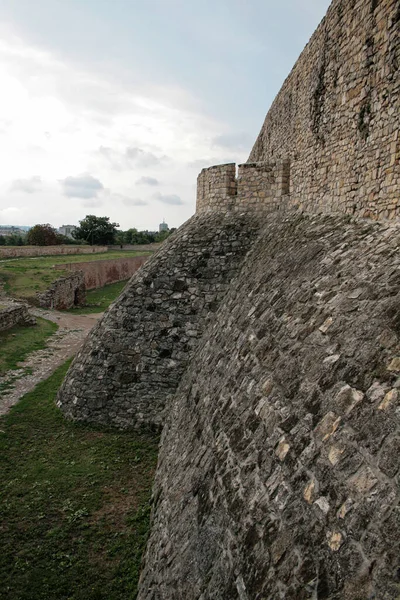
x: 100, y: 299
x: 24, y: 277
x: 74, y: 504
x: 21, y: 340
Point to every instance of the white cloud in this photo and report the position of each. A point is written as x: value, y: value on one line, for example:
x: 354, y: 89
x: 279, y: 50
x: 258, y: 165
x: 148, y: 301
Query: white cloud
x: 82, y: 186
x: 173, y: 199
x: 129, y: 201
x: 148, y: 181
x: 29, y: 185
x: 98, y: 138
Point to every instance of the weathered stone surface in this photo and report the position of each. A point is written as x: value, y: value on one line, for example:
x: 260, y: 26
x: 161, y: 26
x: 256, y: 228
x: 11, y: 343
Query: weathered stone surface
x: 14, y: 313
x: 277, y: 475
x: 260, y: 187
x: 268, y: 343
x: 138, y: 352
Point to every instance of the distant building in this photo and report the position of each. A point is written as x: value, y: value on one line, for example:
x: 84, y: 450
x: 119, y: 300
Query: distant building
x: 6, y: 230
x: 67, y: 230
x: 163, y: 227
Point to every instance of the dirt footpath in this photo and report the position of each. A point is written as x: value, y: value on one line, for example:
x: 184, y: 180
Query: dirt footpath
x: 71, y: 333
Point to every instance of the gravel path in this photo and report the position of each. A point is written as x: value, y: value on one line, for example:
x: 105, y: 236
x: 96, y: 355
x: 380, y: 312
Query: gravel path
x: 71, y: 333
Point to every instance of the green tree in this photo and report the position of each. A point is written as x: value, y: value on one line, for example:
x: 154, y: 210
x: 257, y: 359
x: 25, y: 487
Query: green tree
x: 96, y: 230
x: 42, y: 235
x: 15, y: 240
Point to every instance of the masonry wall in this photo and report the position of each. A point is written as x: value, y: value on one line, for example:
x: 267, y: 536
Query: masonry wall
x: 137, y: 247
x: 260, y: 187
x: 13, y: 313
x: 337, y: 115
x: 279, y: 460
x: 136, y: 355
x: 103, y: 272
x: 17, y: 251
x: 269, y: 349
x: 216, y: 188
x: 64, y: 292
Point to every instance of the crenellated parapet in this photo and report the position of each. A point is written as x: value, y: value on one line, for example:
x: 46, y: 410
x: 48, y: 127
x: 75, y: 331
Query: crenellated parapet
x: 216, y: 187
x: 260, y: 186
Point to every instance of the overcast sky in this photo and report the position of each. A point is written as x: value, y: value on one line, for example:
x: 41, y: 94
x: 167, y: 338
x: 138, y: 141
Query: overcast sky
x: 112, y: 107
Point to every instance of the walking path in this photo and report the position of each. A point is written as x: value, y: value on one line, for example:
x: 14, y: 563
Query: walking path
x: 71, y: 333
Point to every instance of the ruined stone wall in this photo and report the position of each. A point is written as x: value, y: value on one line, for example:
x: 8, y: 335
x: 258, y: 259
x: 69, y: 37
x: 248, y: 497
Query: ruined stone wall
x: 14, y: 313
x: 99, y: 273
x: 19, y: 251
x: 259, y: 187
x: 136, y: 355
x: 279, y: 461
x: 64, y: 292
x: 337, y: 115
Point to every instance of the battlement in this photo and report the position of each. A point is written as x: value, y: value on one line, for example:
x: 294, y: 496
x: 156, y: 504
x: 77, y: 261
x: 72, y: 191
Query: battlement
x: 261, y: 186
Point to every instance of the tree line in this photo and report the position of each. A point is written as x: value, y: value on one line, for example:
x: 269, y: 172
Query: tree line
x: 91, y: 230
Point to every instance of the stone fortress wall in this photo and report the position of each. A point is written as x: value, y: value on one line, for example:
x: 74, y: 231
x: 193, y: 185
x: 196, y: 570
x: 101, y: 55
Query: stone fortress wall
x: 330, y: 142
x: 260, y: 187
x: 21, y: 251
x: 136, y: 355
x: 269, y: 348
x: 279, y: 460
x: 336, y: 117
x: 98, y: 273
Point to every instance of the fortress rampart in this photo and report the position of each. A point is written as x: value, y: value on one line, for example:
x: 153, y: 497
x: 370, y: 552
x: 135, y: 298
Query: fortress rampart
x: 261, y: 187
x: 268, y: 349
x: 336, y: 117
x: 330, y: 142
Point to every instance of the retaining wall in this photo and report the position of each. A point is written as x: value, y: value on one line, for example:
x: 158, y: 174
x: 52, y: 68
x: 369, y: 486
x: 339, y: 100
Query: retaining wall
x: 137, y: 247
x: 98, y: 273
x: 20, y: 251
x: 136, y: 355
x: 279, y: 460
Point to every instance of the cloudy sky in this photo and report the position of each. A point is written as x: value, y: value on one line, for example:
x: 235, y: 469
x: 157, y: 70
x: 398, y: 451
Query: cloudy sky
x: 113, y: 107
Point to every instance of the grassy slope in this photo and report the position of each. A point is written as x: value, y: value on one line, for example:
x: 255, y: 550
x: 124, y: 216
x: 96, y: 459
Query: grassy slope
x: 100, y: 299
x: 21, y: 340
x: 23, y: 277
x: 74, y: 504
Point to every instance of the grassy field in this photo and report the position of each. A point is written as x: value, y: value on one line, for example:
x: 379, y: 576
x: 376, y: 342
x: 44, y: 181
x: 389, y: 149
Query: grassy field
x: 24, y: 277
x: 21, y: 340
x: 74, y: 504
x: 100, y: 299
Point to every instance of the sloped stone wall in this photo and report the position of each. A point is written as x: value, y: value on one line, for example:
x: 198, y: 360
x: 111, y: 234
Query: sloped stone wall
x: 136, y: 355
x: 279, y: 461
x: 336, y: 116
